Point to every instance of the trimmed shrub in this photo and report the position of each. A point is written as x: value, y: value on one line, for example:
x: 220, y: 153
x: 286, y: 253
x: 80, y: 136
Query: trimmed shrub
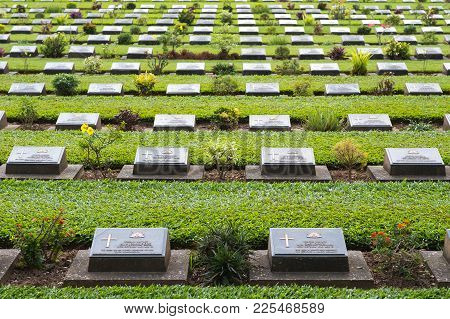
x: 27, y: 114
x: 54, y: 46
x: 89, y: 28
x: 124, y: 38
x: 65, y: 84
x: 359, y: 62
x: 397, y: 50
x: 364, y: 30
x: 324, y: 121
x: 302, y: 88
x: 410, y: 29
x: 186, y: 16
x: 223, y: 68
x: 127, y: 119
x: 92, y: 65
x: 337, y: 53
x: 349, y: 155
x: 135, y: 30
x: 226, y: 118
x: 224, y: 85
x: 282, y: 52
x: 144, y: 83
x: 130, y: 6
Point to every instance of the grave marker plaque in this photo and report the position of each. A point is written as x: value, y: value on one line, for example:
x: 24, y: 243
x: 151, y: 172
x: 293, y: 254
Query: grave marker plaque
x: 174, y: 122
x: 4, y: 67
x: 59, y: 67
x: 139, y: 53
x: 307, y: 250
x: 342, y: 89
x: 413, y: 161
x: 324, y: 69
x: 183, y: 89
x: 73, y: 121
x: 129, y: 250
x: 105, y: 89
x: 256, y: 69
x: 262, y: 88
x: 125, y: 68
x: 36, y: 160
x: 20, y: 51
x: 367, y: 122
x: 396, y: 68
x: 287, y: 161
x: 161, y: 161
x: 27, y: 89
x: 186, y: 68
x: 3, y: 120
x: 81, y: 51
x: 423, y: 89
x: 269, y: 122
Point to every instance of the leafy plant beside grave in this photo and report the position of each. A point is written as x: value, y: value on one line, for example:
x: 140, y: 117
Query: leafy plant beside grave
x: 226, y: 118
x: 350, y: 156
x: 28, y: 114
x: 41, y: 239
x: 93, y: 65
x: 323, y: 121
x: 224, y: 85
x: 221, y: 154
x: 397, y: 50
x: 337, y: 53
x: 127, y: 119
x: 223, y: 255
x: 54, y: 46
x: 65, y: 84
x: 360, y: 59
x: 223, y: 68
x: 144, y: 83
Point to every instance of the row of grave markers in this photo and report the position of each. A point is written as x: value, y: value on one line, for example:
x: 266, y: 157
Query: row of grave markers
x: 143, y: 256
x: 172, y: 163
x: 186, y: 122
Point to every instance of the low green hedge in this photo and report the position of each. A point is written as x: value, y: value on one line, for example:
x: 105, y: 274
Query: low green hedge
x: 188, y: 209
x: 366, y: 83
x: 240, y: 292
x: 399, y: 108
x: 248, y: 143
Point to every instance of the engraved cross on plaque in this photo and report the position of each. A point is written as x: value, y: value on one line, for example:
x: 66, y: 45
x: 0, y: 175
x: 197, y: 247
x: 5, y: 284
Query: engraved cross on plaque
x: 21, y: 153
x: 286, y: 238
x: 108, y: 240
x: 147, y: 156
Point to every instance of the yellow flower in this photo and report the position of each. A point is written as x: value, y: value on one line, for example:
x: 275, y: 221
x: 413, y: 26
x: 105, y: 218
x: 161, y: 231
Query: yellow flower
x: 90, y: 131
x: 84, y: 127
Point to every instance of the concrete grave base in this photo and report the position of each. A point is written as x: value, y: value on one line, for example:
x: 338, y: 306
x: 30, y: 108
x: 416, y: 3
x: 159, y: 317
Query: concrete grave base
x: 176, y: 274
x: 438, y: 266
x: 71, y: 172
x: 8, y: 257
x: 195, y: 173
x: 253, y: 173
x: 378, y: 173
x: 359, y: 275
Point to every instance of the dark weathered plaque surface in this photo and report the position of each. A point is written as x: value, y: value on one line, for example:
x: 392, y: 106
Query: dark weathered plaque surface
x: 161, y: 161
x: 3, y: 120
x: 446, y: 122
x: 287, y: 161
x: 36, y: 160
x: 307, y: 249
x: 129, y: 249
x: 413, y: 161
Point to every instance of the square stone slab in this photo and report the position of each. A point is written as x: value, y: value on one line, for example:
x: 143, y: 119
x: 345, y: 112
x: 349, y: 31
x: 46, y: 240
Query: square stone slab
x: 166, y: 22
x: 21, y: 29
x: 20, y: 51
x: 311, y: 54
x: 3, y: 120
x: 123, y: 21
x: 342, y: 89
x: 111, y: 29
x: 125, y: 68
x: 413, y: 161
x: 253, y: 53
x: 396, y: 68
x: 437, y: 30
x: 4, y: 67
x: 262, y: 88
x: 294, y: 30
x: 5, y: 38
x: 324, y: 69
x: 8, y: 258
x: 411, y: 39
x: 339, y: 30
x: 358, y: 276
x: 42, y: 37
x: 377, y: 53
x: 302, y: 40
x: 139, y: 53
x: 250, y: 40
x: 380, y: 174
x: 256, y: 69
x: 36, y: 160
x: 439, y: 266
x: 147, y: 39
x: 99, y: 39
x: 307, y: 249
x: 433, y: 53
x: 68, y: 29
x: 269, y: 122
x: 105, y: 89
x: 176, y: 274
x: 246, y: 22
x: 129, y: 250
x: 157, y: 29
x: 161, y: 161
x: 81, y: 51
x: 183, y: 89
x: 59, y: 67
x: 368, y: 122
x: 287, y: 161
x: 353, y: 40
x: 174, y: 122
x: 73, y: 121
x: 199, y: 39
x: 202, y: 30
x: 27, y: 89
x: 446, y: 251
x: 186, y: 68
x: 423, y: 89
x: 446, y: 125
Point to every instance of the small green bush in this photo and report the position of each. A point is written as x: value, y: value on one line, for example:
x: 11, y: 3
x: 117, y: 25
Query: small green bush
x: 124, y: 38
x: 92, y: 65
x: 223, y: 255
x: 226, y: 17
x: 224, y: 85
x: 410, y: 29
x: 359, y: 62
x: 130, y: 6
x: 71, y: 5
x: 364, y: 30
x: 393, y: 20
x: 27, y: 113
x: 65, y: 84
x: 282, y: 52
x: 135, y: 30
x: 223, y: 68
x: 323, y: 121
x: 221, y: 154
x: 186, y: 16
x: 349, y: 155
x: 289, y: 67
x: 144, y: 83
x: 397, y: 50
x: 302, y: 88
x: 54, y: 46
x: 89, y: 28
x: 226, y: 118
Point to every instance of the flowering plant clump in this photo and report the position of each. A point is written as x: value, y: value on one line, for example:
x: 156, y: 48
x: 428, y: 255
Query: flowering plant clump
x: 145, y: 82
x: 95, y: 143
x: 41, y: 240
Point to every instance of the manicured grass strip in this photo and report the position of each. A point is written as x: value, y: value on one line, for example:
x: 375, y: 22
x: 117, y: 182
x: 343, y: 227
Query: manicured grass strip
x: 240, y: 292
x: 189, y: 209
x: 399, y: 108
x: 248, y: 143
x: 367, y: 83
